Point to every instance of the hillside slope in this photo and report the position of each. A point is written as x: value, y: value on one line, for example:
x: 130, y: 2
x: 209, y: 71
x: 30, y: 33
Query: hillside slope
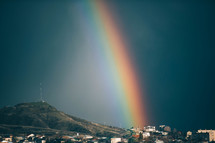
x: 43, y: 115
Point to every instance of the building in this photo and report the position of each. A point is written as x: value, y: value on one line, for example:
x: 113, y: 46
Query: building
x: 137, y: 131
x: 189, y: 133
x: 199, y: 137
x: 146, y: 134
x: 149, y: 129
x: 210, y: 132
x: 164, y: 133
x: 164, y: 128
x: 116, y: 140
x: 159, y: 141
x: 88, y: 137
x: 161, y: 127
x: 167, y: 129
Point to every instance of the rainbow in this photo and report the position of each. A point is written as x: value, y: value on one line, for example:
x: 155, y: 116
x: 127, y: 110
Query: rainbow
x: 112, y: 52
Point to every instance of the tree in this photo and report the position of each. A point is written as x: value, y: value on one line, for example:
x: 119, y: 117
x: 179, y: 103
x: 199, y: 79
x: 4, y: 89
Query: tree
x: 140, y: 137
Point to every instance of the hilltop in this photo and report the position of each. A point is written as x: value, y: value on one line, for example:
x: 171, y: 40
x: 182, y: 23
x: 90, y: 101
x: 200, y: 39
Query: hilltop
x: 42, y: 117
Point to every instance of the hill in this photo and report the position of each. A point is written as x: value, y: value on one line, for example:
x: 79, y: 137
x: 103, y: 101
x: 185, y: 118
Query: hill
x: 40, y: 116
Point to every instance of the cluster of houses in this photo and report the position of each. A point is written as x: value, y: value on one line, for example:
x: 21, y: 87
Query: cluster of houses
x: 165, y: 134
x: 31, y: 138
x: 58, y: 139
x: 148, y: 134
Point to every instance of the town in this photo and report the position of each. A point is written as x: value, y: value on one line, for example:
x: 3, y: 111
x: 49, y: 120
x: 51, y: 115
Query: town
x: 148, y: 134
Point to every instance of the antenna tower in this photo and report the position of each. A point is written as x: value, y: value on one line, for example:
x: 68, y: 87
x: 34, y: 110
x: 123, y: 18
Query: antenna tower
x: 41, y: 93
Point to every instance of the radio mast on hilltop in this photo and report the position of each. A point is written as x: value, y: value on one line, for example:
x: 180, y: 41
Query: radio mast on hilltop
x: 41, y: 93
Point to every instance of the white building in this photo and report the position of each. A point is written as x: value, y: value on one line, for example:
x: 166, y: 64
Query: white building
x: 88, y: 137
x: 164, y: 133
x: 31, y: 135
x: 149, y: 129
x: 116, y: 140
x: 8, y: 139
x: 146, y: 134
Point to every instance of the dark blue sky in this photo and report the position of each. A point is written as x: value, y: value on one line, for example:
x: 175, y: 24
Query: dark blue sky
x: 172, y: 44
